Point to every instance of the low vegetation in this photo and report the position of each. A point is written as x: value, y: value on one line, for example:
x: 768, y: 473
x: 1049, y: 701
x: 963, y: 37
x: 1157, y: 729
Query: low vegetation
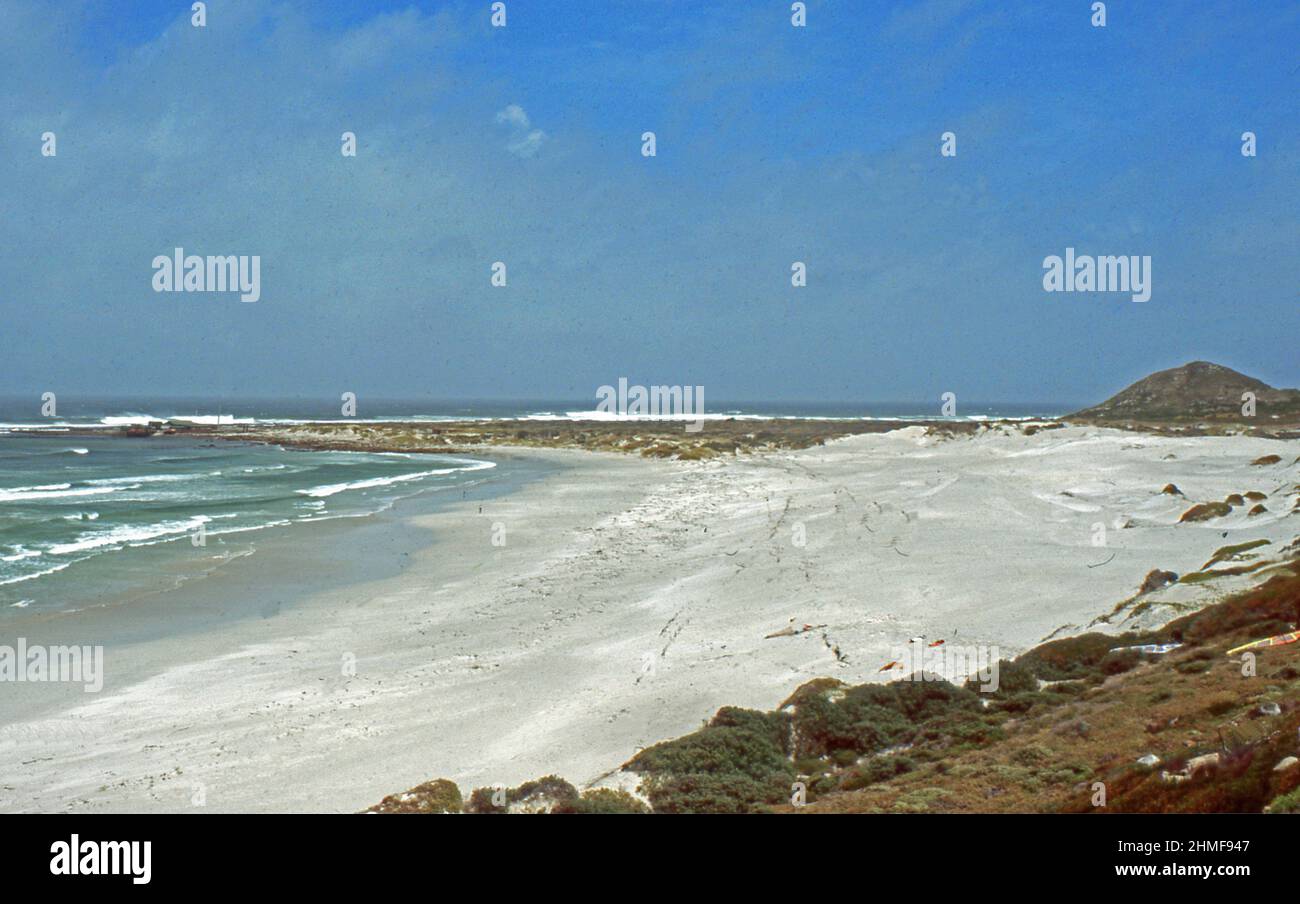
x: 649, y: 439
x: 1204, y: 511
x: 1092, y: 723
x: 1234, y: 551
x: 437, y: 796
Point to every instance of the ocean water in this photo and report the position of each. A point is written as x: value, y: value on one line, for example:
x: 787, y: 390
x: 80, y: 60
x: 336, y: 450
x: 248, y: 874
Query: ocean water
x: 79, y: 412
x: 84, y: 517
x: 87, y: 515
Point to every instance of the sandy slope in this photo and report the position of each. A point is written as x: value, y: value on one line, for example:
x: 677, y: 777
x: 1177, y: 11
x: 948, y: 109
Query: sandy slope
x: 631, y: 600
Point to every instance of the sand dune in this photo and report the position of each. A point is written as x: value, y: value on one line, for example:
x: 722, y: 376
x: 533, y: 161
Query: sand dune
x: 632, y: 599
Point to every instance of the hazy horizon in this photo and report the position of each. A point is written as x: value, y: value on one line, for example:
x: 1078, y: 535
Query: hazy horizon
x: 70, y: 407
x: 10, y: 400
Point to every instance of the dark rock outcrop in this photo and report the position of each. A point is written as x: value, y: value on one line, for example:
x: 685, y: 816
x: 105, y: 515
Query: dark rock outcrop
x: 1156, y: 579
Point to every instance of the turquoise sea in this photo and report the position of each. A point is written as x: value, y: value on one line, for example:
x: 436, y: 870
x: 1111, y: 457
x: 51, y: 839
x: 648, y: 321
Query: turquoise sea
x: 88, y: 515
x: 82, y: 517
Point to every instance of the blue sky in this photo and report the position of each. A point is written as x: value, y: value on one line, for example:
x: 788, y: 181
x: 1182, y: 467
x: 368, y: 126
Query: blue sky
x: 522, y: 144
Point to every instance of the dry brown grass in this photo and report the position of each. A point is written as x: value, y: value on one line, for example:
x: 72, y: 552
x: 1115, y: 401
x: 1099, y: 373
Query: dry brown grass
x: 1191, y: 702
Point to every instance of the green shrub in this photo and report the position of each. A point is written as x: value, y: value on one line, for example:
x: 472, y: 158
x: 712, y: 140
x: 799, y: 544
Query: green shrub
x: 1069, y: 657
x: 1013, y: 678
x: 922, y: 700
x: 872, y: 717
x: 823, y: 784
x: 958, y: 731
x: 1286, y: 803
x: 877, y: 769
x: 438, y: 796
x: 718, y: 750
x: 774, y: 726
x: 822, y: 727
x: 1020, y: 703
x: 1065, y: 689
x: 541, y: 795
x: 844, y: 757
x: 737, y: 763
x: 715, y: 793
x: 602, y: 800
x: 480, y: 801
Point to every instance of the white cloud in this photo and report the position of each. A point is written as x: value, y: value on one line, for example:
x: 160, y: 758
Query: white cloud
x: 513, y: 115
x: 525, y: 141
x: 528, y: 145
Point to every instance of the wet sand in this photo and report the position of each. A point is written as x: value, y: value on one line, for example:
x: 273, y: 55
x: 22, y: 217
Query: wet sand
x: 631, y: 599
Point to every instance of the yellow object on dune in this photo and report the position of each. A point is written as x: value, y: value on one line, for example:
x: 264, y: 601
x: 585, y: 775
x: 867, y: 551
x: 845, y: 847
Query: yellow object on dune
x: 1277, y: 640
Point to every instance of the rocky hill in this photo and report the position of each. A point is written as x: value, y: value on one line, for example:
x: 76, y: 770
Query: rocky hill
x: 1196, y: 391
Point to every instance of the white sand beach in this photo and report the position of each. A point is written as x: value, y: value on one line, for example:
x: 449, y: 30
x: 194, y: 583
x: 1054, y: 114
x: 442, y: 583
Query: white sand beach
x: 631, y: 600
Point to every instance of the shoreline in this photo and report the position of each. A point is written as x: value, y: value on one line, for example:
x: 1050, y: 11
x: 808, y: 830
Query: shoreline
x: 140, y: 605
x: 633, y: 598
x: 186, y: 693
x: 658, y: 438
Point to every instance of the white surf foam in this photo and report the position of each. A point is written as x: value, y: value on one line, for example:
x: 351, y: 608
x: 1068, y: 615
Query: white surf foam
x: 17, y: 494
x: 128, y: 535
x: 331, y: 489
